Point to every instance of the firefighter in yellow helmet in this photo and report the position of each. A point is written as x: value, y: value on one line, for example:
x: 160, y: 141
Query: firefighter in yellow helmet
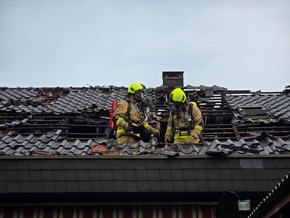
x: 128, y: 116
x: 185, y: 121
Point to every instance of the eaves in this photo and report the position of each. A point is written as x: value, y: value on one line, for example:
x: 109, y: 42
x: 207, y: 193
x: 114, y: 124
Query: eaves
x: 100, y: 177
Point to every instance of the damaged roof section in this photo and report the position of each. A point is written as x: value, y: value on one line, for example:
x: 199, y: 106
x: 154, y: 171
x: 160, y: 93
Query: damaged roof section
x: 75, y: 121
x: 254, y: 114
x: 59, y: 100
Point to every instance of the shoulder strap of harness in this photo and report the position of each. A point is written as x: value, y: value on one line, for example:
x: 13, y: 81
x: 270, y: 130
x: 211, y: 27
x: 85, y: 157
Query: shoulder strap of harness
x: 128, y: 111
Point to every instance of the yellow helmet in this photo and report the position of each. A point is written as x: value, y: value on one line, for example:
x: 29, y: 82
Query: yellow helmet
x: 177, y: 95
x: 135, y: 87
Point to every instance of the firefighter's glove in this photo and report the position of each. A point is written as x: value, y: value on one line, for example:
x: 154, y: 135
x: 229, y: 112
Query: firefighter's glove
x: 127, y: 127
x: 146, y: 125
x: 167, y: 139
x: 135, y: 127
x: 151, y: 129
x: 196, y: 132
x: 154, y: 131
x: 157, y: 118
x: 190, y: 140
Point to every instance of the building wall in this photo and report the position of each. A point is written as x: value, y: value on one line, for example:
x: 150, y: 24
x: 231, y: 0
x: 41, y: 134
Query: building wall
x: 109, y: 211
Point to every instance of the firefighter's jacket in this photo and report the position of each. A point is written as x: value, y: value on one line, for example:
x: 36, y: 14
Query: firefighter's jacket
x: 123, y: 118
x: 183, y: 124
x: 125, y: 115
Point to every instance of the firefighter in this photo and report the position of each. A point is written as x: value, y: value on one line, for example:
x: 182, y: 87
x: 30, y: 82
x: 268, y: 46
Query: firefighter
x: 185, y: 120
x: 128, y: 116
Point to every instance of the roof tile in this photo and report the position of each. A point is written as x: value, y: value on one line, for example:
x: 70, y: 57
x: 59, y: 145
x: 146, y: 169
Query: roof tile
x: 82, y: 175
x: 165, y: 175
x: 214, y: 185
x: 130, y: 175
x: 84, y: 186
x: 132, y: 186
x: 143, y: 186
x: 201, y: 175
x: 107, y: 175
x: 213, y: 174
x: 203, y: 186
x: 120, y: 186
x: 94, y: 175
x: 58, y: 175
x: 11, y: 187
x: 177, y: 174
x: 153, y: 175
x: 47, y: 175
x: 248, y: 174
x: 224, y: 174
x: 72, y: 186
x: 179, y: 186
x: 190, y: 174
x: 250, y: 185
x: 191, y: 186
x: 227, y: 185
x: 60, y: 186
x: 167, y: 186
x: 141, y: 175
x: 235, y: 174
x: 270, y: 174
x: 48, y: 187
x: 154, y: 186
x: 30, y: 187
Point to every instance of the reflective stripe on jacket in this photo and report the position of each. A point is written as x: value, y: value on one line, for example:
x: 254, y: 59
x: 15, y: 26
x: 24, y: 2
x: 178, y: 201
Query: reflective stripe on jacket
x: 180, y: 134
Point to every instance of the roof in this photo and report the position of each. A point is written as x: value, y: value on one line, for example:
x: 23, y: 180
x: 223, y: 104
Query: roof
x: 57, y: 141
x: 74, y: 120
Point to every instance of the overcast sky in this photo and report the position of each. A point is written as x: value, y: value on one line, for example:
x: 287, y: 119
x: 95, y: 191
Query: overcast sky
x: 236, y: 44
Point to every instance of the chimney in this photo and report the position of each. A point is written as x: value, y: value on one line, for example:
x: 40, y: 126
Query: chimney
x: 172, y: 78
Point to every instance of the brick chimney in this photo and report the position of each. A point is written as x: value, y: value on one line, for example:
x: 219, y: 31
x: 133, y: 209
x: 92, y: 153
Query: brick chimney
x: 172, y: 78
